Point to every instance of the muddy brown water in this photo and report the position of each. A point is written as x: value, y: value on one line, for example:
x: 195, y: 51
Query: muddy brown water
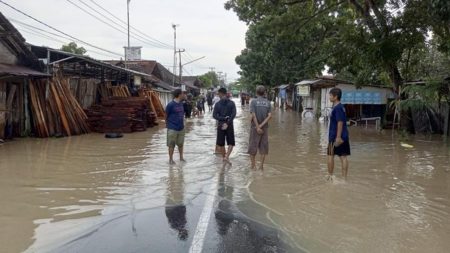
x: 396, y: 199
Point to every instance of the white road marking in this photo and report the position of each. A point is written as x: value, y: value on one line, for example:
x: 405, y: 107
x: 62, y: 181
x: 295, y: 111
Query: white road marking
x: 202, y: 226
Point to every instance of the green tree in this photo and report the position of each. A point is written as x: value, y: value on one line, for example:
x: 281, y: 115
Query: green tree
x: 364, y: 40
x: 209, y: 79
x: 72, y: 47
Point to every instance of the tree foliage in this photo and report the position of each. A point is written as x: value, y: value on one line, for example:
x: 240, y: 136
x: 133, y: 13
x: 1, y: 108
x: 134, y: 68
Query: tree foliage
x: 72, y: 47
x: 365, y: 41
x: 209, y: 79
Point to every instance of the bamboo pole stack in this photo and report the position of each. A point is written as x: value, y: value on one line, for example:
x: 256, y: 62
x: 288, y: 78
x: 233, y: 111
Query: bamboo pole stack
x: 55, y: 111
x: 154, y: 102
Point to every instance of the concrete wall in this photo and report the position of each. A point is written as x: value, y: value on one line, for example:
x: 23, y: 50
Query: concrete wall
x: 6, y: 56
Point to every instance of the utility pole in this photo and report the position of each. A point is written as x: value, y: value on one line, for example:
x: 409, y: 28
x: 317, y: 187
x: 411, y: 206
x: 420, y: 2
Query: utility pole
x: 174, y: 26
x: 219, y: 77
x: 128, y: 19
x: 127, y: 51
x: 181, y: 67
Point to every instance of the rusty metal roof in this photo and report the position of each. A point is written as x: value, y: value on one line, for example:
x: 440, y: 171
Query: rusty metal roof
x: 16, y: 70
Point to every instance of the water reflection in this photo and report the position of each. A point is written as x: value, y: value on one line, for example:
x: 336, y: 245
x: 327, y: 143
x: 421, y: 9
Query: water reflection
x: 175, y: 207
x: 224, y: 215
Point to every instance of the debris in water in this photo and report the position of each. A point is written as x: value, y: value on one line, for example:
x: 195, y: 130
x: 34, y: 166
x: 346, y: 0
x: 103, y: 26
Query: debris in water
x: 406, y: 145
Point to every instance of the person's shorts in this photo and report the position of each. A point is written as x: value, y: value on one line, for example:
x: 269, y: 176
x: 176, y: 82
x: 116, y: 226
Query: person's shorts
x: 258, y: 142
x: 175, y: 138
x: 227, y: 135
x: 341, y: 150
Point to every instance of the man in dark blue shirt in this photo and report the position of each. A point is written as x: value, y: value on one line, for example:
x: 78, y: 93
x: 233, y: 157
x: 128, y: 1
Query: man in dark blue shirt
x: 175, y: 124
x: 225, y: 112
x: 338, y: 136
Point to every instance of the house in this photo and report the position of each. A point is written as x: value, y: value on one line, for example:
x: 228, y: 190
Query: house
x: 18, y: 66
x: 163, y: 77
x: 193, y: 85
x: 87, y: 75
x: 362, y: 103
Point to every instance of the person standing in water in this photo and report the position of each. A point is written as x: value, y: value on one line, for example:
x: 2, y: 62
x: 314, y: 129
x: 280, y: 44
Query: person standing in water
x: 216, y: 99
x: 175, y: 125
x: 339, y: 143
x: 225, y: 112
x: 260, y: 110
x: 210, y: 101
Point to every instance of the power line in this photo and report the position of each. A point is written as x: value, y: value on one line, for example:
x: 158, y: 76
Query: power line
x: 27, y: 30
x: 42, y: 31
x: 120, y: 20
x: 155, y: 44
x: 42, y: 35
x: 187, y: 71
x: 53, y: 28
x: 112, y: 26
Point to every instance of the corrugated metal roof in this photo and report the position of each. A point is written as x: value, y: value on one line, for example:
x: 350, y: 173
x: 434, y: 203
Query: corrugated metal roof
x: 307, y: 82
x: 16, y: 70
x: 164, y: 85
x: 192, y: 86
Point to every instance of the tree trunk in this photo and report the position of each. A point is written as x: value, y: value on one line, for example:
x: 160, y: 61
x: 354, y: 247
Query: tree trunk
x: 396, y: 77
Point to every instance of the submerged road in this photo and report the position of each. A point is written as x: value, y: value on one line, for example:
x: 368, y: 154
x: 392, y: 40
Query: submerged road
x: 91, y: 194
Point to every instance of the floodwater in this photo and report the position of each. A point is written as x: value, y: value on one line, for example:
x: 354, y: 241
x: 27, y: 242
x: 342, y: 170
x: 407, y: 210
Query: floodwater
x: 91, y: 194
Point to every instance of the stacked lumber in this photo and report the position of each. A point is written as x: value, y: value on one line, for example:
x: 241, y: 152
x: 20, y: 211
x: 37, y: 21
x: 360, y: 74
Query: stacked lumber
x: 55, y: 111
x: 120, y: 91
x: 104, y: 90
x: 121, y: 115
x: 154, y: 102
x: 84, y: 90
x: 12, y: 111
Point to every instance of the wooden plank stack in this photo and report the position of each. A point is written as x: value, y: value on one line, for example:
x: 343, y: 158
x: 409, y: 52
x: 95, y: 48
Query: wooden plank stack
x: 121, y: 115
x: 55, y: 111
x: 120, y: 91
x: 154, y: 102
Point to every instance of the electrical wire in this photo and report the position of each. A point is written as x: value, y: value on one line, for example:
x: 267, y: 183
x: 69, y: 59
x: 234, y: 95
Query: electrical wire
x: 40, y: 32
x: 138, y: 31
x: 155, y: 43
x: 112, y: 26
x: 53, y: 28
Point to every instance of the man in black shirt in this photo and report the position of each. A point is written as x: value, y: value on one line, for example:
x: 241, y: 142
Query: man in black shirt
x: 225, y: 112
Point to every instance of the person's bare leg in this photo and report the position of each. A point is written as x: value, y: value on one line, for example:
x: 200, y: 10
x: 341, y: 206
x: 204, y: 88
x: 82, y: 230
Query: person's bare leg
x: 253, y: 161
x: 171, y: 150
x: 261, y: 166
x: 181, y: 149
x: 227, y: 156
x: 221, y: 151
x: 330, y: 166
x: 344, y: 163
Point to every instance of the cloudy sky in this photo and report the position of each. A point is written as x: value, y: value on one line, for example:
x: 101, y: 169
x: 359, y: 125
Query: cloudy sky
x: 205, y: 29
